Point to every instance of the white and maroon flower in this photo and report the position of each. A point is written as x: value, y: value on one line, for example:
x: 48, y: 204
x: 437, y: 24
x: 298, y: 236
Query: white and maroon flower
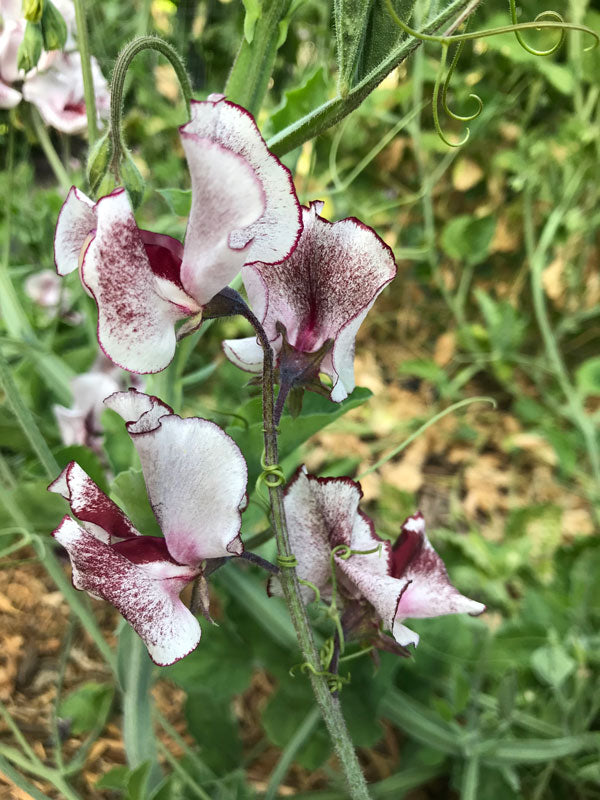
x: 320, y: 295
x: 243, y: 208
x: 56, y: 88
x: 44, y: 288
x: 196, y: 481
x: 408, y: 580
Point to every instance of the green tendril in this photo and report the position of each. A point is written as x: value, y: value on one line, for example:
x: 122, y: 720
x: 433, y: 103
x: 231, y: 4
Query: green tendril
x: 358, y: 654
x: 288, y: 562
x: 335, y: 682
x: 434, y: 104
x: 272, y: 475
x: 544, y: 15
x: 478, y: 100
x: 344, y: 552
x: 317, y: 597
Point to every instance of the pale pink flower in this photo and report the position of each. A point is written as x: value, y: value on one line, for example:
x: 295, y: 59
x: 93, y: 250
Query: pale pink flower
x: 12, y: 30
x: 244, y: 208
x: 196, y: 481
x: 319, y: 298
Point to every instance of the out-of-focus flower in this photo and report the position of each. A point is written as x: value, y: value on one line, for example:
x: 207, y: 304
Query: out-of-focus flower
x: 44, y: 288
x: 312, y: 305
x: 55, y: 84
x: 196, y: 481
x: 325, y: 526
x: 57, y: 92
x: 12, y: 31
x: 244, y: 208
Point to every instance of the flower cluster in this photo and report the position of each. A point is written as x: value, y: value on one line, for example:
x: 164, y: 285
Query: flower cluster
x: 310, y: 283
x: 54, y: 85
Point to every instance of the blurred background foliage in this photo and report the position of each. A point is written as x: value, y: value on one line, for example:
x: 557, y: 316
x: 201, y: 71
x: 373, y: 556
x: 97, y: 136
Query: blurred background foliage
x: 498, y: 294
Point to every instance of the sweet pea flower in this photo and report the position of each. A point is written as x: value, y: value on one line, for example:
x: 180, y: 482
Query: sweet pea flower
x: 244, y: 208
x: 56, y: 88
x: 406, y: 580
x: 196, y: 481
x: 317, y: 299
x: 12, y: 30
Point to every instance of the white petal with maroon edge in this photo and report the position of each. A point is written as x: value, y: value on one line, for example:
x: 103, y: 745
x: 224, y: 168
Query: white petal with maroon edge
x: 195, y: 476
x: 76, y: 220
x: 273, y: 235
x: 246, y: 354
x: 146, y: 594
x: 136, y: 308
x: 226, y: 196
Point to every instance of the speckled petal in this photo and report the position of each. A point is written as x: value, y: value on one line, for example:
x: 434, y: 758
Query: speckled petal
x: 137, y: 303
x: 89, y: 504
x: 76, y: 221
x: 324, y: 290
x: 195, y: 476
x: 145, y: 592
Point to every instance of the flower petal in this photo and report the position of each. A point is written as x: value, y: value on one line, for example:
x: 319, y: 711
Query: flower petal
x: 274, y: 233
x: 146, y: 593
x: 137, y: 307
x: 90, y: 504
x: 195, y: 476
x: 226, y: 196
x: 324, y: 290
x: 246, y: 354
x: 430, y: 593
x: 76, y: 220
x: 78, y: 423
x: 9, y: 97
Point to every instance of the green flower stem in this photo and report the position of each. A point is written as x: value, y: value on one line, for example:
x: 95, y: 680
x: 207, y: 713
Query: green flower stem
x: 52, y: 156
x: 11, y: 310
x: 329, y: 705
x: 249, y: 77
x: 83, y: 43
x: 334, y: 110
x: 124, y: 59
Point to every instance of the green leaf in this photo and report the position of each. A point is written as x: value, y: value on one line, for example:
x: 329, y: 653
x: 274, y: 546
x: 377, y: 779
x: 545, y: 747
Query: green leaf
x: 137, y: 784
x: 203, y: 670
x: 86, y: 705
x: 178, y: 200
x: 552, y: 664
x: 129, y: 493
x: 587, y: 377
x: 117, y: 443
x: 115, y: 778
x: 299, y: 101
x: 465, y: 238
x: 212, y: 723
x: 420, y: 723
x: 317, y: 412
x: 381, y: 34
x: 253, y: 9
x: 284, y: 714
x: 351, y: 17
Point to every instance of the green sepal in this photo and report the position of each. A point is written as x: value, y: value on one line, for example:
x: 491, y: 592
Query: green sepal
x: 30, y: 48
x: 54, y: 27
x: 99, y: 161
x: 32, y: 10
x: 294, y: 401
x: 132, y: 180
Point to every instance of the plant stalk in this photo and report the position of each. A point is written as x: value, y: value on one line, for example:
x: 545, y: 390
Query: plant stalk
x: 86, y: 71
x: 328, y: 704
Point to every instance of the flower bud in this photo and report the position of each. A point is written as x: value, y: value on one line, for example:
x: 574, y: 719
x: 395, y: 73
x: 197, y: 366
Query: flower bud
x: 32, y: 10
x: 30, y: 48
x: 99, y: 161
x: 132, y: 180
x: 54, y: 28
